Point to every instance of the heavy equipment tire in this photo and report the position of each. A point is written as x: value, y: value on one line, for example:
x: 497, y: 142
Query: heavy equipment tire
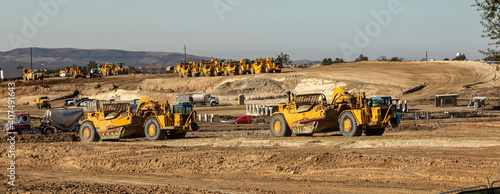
x: 87, y: 133
x: 177, y: 135
x: 49, y: 130
x: 153, y: 131
x: 195, y: 127
x: 348, y: 125
x: 279, y: 127
x: 374, y: 132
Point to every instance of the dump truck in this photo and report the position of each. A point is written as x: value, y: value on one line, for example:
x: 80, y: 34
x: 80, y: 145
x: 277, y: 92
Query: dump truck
x: 351, y: 114
x: 52, y: 122
x: 198, y: 99
x: 29, y: 74
x: 42, y: 102
x: 65, y: 72
x: 155, y: 120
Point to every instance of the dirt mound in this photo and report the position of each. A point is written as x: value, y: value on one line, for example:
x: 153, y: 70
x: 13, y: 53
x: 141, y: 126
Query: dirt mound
x: 44, y: 138
x: 250, y: 86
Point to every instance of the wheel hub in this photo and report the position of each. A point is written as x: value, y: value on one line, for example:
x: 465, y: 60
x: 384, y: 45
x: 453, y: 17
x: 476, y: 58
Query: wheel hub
x: 86, y: 133
x: 152, y: 130
x: 347, y: 125
x: 277, y: 127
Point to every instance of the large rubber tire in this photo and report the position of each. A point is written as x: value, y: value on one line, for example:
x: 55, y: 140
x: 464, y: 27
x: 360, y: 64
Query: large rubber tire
x: 279, y: 127
x: 348, y: 125
x: 88, y: 133
x: 213, y: 104
x: 153, y: 131
x: 177, y: 135
x: 374, y: 132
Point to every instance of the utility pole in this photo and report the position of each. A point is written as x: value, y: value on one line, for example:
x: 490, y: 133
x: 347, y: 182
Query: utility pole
x: 426, y: 59
x: 31, y: 58
x: 185, y: 61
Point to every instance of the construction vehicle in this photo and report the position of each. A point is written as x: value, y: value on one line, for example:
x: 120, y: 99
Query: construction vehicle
x: 351, y: 114
x: 273, y: 65
x: 29, y: 74
x: 42, y: 102
x: 153, y: 119
x: 51, y: 122
x: 207, y: 68
x: 218, y: 67
x: 244, y: 67
x: 184, y: 69
x: 258, y: 66
x: 198, y: 99
x: 231, y: 68
x: 65, y: 72
x: 77, y: 71
x: 95, y: 72
x: 195, y: 69
x: 111, y: 69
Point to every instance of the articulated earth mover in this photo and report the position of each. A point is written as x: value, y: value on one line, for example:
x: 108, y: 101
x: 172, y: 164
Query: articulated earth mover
x: 351, y: 114
x: 155, y: 120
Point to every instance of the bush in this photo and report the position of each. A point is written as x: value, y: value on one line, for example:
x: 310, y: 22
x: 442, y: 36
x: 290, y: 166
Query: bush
x: 98, y: 86
x: 361, y: 58
x: 327, y: 61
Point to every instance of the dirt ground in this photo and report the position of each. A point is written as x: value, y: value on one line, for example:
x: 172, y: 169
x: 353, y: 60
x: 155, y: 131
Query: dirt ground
x: 419, y: 156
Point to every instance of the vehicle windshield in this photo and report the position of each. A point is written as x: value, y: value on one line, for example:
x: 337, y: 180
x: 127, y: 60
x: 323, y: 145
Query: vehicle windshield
x: 381, y: 102
x: 44, y: 98
x: 189, y: 109
x: 18, y: 118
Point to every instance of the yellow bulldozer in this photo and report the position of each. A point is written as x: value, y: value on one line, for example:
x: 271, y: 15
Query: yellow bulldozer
x: 155, y: 120
x: 307, y: 114
x: 77, y: 71
x: 29, y: 74
x: 258, y: 66
x: 42, y: 102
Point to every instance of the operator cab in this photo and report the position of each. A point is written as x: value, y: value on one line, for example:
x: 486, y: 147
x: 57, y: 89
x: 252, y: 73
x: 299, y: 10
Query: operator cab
x: 380, y: 101
x: 183, y: 109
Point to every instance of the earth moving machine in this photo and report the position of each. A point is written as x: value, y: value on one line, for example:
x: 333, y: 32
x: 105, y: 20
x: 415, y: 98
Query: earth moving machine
x: 65, y: 72
x: 77, y: 71
x: 183, y: 69
x: 29, y: 74
x: 244, y: 67
x: 351, y: 114
x: 258, y: 66
x: 42, y: 102
x: 153, y: 119
x: 111, y: 69
x: 231, y: 68
x: 218, y: 67
x: 198, y: 99
x: 207, y: 68
x: 51, y: 122
x: 273, y: 65
x: 195, y: 69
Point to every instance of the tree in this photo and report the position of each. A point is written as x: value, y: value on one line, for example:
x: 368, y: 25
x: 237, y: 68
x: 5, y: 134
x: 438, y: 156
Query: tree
x: 91, y: 65
x: 396, y: 59
x: 460, y: 57
x: 382, y: 58
x: 19, y: 67
x: 285, y: 58
x: 131, y: 69
x: 361, y: 58
x: 338, y: 60
x: 327, y: 61
x: 446, y: 59
x: 489, y: 20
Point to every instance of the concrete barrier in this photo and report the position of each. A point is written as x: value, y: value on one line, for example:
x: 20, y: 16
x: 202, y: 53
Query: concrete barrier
x: 260, y: 110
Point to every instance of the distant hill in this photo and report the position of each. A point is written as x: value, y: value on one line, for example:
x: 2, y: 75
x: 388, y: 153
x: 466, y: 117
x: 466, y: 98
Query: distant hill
x: 46, y: 58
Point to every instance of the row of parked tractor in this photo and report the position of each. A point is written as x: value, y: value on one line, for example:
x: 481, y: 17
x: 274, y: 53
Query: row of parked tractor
x: 215, y: 67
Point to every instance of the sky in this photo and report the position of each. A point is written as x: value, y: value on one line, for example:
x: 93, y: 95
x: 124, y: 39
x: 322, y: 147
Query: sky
x: 236, y: 29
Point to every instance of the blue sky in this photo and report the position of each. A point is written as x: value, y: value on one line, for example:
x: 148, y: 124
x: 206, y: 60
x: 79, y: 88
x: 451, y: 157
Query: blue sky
x: 236, y: 29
